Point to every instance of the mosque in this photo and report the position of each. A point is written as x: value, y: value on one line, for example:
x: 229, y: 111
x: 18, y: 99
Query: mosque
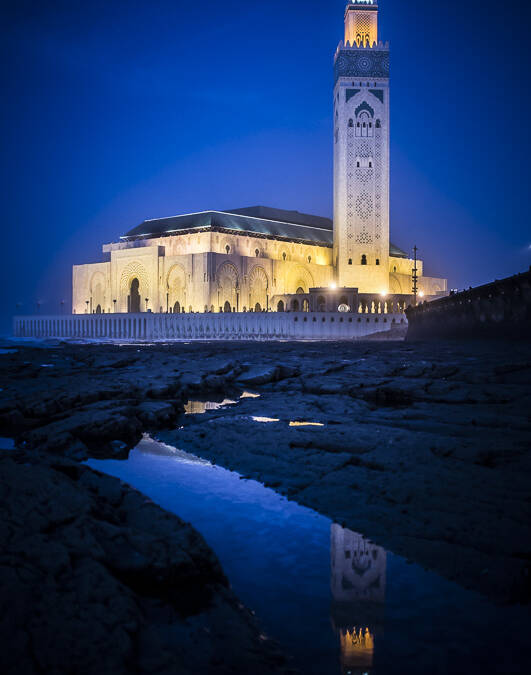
x: 260, y: 259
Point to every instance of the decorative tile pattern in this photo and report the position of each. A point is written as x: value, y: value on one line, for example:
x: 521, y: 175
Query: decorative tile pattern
x: 362, y: 63
x: 378, y: 93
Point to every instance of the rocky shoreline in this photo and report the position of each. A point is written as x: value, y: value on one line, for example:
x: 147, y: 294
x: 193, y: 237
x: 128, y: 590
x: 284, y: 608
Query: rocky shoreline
x: 424, y: 449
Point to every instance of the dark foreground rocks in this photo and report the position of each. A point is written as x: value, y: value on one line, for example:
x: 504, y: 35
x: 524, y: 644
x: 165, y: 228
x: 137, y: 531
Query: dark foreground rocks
x: 425, y: 448
x: 95, y: 578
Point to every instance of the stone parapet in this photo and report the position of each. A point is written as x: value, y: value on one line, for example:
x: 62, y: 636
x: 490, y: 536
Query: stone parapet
x: 230, y: 326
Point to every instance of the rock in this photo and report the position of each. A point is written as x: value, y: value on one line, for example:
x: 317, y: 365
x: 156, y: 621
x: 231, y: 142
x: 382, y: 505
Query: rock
x: 96, y: 579
x: 156, y: 413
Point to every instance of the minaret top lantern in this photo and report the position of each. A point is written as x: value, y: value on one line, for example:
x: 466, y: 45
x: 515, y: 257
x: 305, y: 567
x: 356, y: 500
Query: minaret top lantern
x: 361, y: 23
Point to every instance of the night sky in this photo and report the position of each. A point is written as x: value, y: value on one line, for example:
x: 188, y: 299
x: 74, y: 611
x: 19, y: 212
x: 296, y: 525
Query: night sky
x: 113, y: 112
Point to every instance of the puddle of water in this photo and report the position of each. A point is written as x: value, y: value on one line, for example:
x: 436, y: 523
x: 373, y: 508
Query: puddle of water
x: 306, y: 424
x: 336, y: 602
x: 7, y: 443
x: 201, y: 407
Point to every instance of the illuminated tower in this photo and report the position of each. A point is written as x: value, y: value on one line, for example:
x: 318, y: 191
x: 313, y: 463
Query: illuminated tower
x: 361, y: 153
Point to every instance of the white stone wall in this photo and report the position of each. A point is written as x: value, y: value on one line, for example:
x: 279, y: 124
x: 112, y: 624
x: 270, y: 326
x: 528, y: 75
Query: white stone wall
x: 195, y: 273
x: 169, y: 327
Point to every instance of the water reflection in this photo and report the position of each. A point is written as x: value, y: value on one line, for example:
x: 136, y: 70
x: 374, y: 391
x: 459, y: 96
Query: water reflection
x: 358, y: 570
x: 306, y: 424
x: 201, y: 407
x: 320, y: 589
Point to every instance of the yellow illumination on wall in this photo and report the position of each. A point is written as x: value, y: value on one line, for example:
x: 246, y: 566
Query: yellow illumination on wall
x: 361, y: 26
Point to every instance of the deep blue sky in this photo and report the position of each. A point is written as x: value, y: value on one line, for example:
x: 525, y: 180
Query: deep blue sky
x: 113, y: 112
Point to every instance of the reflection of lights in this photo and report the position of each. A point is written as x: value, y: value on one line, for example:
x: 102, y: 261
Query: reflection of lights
x: 248, y: 394
x: 333, y: 285
x: 201, y: 407
x: 306, y: 424
x: 264, y: 419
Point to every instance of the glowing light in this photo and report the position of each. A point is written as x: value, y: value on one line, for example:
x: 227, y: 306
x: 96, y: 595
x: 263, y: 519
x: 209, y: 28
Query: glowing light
x: 265, y: 420
x: 333, y: 285
x: 383, y: 294
x: 306, y: 424
x: 421, y: 294
x: 248, y: 394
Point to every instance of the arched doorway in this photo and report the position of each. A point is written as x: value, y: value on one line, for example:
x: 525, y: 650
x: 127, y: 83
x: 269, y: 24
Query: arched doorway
x: 134, y: 297
x: 177, y: 308
x: 257, y: 307
x: 98, y: 309
x: 227, y: 307
x: 295, y: 305
x: 280, y: 306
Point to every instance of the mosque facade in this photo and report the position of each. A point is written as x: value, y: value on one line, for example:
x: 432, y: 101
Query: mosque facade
x: 264, y: 259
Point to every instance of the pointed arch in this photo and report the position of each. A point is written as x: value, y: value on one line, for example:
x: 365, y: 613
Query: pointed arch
x: 134, y: 270
x: 300, y: 277
x: 258, y: 287
x: 228, y: 282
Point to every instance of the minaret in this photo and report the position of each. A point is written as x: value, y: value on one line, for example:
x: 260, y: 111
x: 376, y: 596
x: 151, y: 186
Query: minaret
x: 361, y: 153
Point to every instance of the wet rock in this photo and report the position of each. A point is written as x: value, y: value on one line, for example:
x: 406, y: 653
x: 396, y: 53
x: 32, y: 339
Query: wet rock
x: 96, y: 579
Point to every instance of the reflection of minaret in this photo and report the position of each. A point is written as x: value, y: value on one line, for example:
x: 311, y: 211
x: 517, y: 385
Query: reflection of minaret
x: 358, y: 592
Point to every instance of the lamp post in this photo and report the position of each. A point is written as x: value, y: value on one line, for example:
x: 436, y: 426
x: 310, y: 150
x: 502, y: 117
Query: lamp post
x: 114, y: 301
x: 415, y: 277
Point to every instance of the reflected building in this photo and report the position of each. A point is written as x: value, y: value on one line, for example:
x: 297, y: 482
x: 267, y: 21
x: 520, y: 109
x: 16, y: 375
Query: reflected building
x: 201, y: 407
x: 358, y: 574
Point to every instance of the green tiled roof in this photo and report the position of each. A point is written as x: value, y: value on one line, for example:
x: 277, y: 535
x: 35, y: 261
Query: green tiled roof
x: 258, y: 220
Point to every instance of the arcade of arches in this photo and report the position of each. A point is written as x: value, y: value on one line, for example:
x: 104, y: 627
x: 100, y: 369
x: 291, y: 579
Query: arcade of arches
x: 231, y: 270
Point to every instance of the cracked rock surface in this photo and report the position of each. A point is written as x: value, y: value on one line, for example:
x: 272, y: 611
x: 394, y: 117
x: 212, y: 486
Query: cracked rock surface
x: 425, y: 448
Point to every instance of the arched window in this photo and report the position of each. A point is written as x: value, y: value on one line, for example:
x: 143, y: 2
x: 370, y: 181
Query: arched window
x: 377, y: 261
x: 134, y: 297
x: 256, y: 252
x: 280, y: 306
x: 257, y: 307
x: 394, y: 268
x: 227, y: 248
x: 227, y: 307
x: 370, y: 165
x: 378, y: 124
x: 284, y: 256
x: 350, y: 261
x: 364, y: 259
x: 309, y: 258
x: 351, y: 123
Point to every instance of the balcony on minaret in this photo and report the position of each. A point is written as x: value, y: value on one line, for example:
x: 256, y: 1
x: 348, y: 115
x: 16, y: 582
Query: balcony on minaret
x: 361, y: 23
